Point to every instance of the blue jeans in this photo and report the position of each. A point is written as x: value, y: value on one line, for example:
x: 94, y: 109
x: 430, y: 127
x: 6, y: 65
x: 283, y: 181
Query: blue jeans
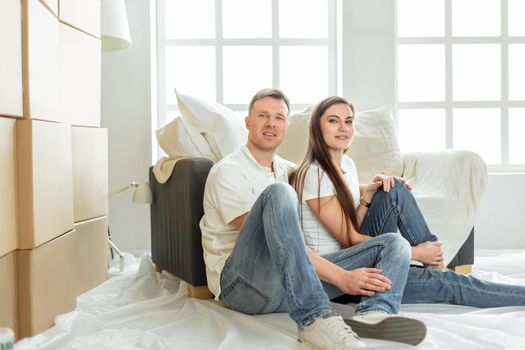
x: 393, y: 210
x: 269, y: 269
x: 398, y: 209
x: 389, y: 252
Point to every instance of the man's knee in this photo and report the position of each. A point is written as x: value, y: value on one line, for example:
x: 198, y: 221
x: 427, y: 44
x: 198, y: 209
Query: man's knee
x: 281, y: 191
x: 396, y: 242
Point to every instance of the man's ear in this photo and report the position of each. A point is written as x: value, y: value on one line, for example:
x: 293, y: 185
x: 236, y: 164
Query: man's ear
x: 247, y: 122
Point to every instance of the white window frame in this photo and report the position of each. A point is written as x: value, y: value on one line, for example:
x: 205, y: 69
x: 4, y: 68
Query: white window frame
x: 332, y: 42
x: 448, y: 105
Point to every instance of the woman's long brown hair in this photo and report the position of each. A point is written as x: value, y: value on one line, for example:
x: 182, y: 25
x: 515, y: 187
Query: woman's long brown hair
x: 318, y: 151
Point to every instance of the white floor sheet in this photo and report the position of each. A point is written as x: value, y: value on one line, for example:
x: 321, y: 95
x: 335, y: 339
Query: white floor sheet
x: 142, y: 309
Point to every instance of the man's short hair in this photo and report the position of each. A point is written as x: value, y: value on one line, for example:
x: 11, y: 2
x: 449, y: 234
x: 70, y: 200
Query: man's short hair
x: 269, y: 92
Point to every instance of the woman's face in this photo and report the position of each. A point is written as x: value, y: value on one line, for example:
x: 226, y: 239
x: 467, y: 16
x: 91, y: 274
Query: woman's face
x: 337, y: 127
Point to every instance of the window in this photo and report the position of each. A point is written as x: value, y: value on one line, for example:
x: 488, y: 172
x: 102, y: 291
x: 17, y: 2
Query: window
x: 226, y: 50
x: 461, y: 78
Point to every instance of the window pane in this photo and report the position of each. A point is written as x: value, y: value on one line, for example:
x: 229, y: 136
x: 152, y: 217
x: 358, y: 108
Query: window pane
x: 476, y: 17
x: 516, y: 139
x: 476, y: 72
x: 189, y: 19
x: 247, y: 69
x: 303, y: 19
x: 421, y: 72
x: 421, y: 130
x: 247, y: 18
x: 417, y: 18
x: 516, y: 22
x: 517, y: 72
x: 191, y: 69
x: 304, y: 73
x: 479, y: 130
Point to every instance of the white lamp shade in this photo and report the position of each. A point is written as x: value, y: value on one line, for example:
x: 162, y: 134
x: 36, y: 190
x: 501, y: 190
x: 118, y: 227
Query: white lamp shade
x: 142, y: 193
x: 114, y: 28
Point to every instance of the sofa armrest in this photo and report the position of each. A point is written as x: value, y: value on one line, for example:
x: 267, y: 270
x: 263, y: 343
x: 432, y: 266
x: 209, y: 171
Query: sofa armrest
x: 448, y: 187
x: 175, y: 214
x: 463, y: 173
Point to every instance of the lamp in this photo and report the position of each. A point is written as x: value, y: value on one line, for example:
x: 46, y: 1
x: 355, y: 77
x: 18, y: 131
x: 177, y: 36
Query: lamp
x: 114, y: 29
x: 141, y: 194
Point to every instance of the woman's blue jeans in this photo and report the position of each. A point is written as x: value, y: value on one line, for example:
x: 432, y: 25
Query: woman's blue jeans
x: 398, y: 209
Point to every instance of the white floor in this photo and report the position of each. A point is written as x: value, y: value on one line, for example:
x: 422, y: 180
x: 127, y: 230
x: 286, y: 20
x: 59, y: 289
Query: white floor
x: 141, y: 309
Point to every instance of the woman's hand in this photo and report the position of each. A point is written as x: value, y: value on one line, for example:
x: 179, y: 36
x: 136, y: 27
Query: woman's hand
x: 382, y: 180
x: 365, y: 281
x: 429, y: 253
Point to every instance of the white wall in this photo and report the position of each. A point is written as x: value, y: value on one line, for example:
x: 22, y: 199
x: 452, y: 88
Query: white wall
x: 368, y: 53
x: 126, y: 114
x: 501, y: 217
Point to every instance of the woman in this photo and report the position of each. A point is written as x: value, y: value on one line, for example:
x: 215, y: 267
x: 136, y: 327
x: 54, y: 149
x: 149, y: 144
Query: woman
x: 339, y: 216
x: 355, y: 216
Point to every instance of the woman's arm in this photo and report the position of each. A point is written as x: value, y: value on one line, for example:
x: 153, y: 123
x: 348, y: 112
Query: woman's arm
x: 329, y: 213
x: 363, y: 281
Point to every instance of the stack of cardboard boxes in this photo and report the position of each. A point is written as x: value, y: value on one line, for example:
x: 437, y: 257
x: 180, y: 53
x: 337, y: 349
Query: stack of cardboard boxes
x: 53, y: 160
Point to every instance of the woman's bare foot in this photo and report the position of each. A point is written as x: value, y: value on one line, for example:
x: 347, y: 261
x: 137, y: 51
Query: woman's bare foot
x: 429, y: 253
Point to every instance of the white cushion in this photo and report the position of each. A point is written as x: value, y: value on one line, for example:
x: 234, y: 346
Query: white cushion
x: 223, y: 130
x: 293, y: 147
x: 374, y: 148
x: 174, y: 139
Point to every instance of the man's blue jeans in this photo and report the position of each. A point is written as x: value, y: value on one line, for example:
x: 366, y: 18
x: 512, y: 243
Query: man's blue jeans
x: 269, y: 269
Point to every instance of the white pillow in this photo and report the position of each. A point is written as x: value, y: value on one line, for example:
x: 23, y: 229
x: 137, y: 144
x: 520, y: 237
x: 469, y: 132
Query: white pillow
x: 374, y: 148
x: 174, y: 139
x: 223, y: 130
x: 293, y: 147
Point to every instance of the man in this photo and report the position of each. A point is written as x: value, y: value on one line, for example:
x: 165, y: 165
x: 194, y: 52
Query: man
x: 256, y: 258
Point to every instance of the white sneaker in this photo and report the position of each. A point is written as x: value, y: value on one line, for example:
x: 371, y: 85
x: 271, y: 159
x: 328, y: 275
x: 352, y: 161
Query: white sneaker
x: 380, y: 325
x: 330, y: 332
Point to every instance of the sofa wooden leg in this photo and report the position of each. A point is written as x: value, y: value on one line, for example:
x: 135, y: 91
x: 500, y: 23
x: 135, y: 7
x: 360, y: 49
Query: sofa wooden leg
x: 463, y: 269
x: 201, y: 292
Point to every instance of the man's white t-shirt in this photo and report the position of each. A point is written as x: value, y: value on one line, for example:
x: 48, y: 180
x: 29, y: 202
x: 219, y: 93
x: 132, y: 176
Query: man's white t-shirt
x: 318, y: 184
x: 232, y: 187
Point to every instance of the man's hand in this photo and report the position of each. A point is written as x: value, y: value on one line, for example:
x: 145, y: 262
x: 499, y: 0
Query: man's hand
x: 429, y: 253
x: 363, y: 281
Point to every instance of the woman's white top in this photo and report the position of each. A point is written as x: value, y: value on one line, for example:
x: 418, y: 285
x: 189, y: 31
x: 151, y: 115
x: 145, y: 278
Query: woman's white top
x: 318, y: 184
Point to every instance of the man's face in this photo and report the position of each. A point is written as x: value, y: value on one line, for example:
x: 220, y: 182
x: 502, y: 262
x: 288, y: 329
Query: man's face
x: 267, y: 124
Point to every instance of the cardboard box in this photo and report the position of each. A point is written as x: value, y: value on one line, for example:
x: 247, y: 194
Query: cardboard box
x: 90, y: 172
x: 45, y: 181
x: 11, y: 67
x: 46, y: 283
x: 51, y: 276
x: 40, y: 61
x: 79, y: 77
x: 8, y: 235
x: 91, y: 251
x: 8, y: 292
x: 82, y: 14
